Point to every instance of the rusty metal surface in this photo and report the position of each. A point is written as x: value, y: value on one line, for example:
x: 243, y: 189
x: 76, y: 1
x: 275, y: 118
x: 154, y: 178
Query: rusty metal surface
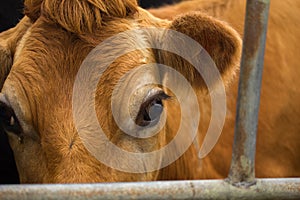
x: 212, y: 189
x: 243, y: 159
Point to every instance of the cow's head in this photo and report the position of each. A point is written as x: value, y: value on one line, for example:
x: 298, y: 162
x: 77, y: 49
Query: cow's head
x: 41, y: 57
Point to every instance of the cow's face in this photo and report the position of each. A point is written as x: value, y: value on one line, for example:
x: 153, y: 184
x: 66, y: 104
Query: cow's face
x: 50, y: 128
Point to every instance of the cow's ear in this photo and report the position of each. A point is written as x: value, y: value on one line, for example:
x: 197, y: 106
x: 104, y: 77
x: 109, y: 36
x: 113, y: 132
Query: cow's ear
x: 8, y: 43
x: 220, y: 41
x: 80, y: 16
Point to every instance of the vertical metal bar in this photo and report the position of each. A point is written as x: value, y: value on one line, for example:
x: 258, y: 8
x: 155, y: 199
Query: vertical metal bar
x: 242, y: 171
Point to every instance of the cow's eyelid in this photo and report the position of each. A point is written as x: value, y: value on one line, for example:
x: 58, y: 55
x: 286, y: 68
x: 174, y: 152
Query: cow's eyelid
x: 161, y: 95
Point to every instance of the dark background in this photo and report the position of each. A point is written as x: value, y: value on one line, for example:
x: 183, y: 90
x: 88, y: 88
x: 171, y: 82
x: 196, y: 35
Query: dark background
x: 11, y: 11
x: 155, y: 3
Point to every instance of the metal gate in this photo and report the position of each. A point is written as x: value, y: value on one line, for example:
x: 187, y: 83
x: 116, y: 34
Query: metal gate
x: 241, y: 182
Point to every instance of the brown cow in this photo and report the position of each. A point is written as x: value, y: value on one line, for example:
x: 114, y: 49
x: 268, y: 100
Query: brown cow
x: 41, y: 57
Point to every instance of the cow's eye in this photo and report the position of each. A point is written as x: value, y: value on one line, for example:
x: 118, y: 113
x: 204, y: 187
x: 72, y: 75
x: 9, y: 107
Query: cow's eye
x: 8, y: 119
x: 151, y: 109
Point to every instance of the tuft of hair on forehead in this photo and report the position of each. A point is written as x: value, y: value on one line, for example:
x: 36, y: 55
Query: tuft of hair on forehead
x: 32, y: 8
x: 80, y: 16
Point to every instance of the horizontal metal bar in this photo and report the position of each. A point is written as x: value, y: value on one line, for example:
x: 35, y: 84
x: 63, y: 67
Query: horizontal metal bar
x: 243, y: 157
x: 205, y: 189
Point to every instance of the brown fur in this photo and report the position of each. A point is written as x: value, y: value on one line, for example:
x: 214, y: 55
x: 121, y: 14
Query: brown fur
x: 39, y: 88
x: 205, y: 30
x: 279, y: 118
x: 80, y: 16
x: 8, y: 43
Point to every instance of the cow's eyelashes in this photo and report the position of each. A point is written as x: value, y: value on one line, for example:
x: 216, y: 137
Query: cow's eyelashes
x: 8, y: 119
x: 151, y: 109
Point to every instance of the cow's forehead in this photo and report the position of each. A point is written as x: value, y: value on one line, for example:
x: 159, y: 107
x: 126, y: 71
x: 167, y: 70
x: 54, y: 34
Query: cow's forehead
x: 50, y: 33
x: 42, y: 41
x: 47, y: 60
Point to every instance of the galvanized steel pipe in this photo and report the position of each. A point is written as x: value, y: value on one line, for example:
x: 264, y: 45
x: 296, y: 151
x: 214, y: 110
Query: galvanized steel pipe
x: 214, y: 189
x: 242, y: 171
